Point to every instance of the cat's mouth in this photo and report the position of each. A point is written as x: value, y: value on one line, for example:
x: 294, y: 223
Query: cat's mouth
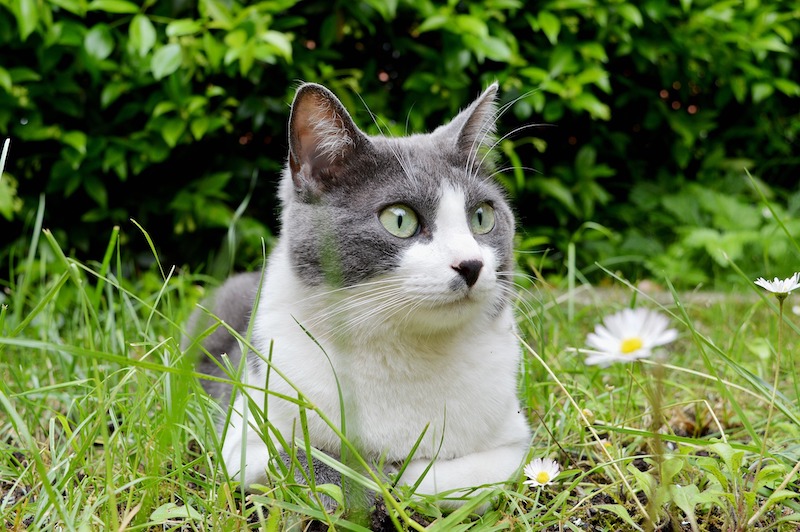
x: 462, y: 296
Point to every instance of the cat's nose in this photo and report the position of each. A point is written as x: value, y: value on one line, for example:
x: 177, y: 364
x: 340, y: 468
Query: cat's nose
x: 469, y: 270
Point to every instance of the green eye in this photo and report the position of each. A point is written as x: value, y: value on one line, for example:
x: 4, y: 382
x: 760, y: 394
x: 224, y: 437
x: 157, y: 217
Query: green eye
x: 399, y: 220
x: 482, y: 219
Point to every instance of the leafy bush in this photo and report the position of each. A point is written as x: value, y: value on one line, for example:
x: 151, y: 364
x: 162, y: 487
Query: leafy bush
x: 173, y: 113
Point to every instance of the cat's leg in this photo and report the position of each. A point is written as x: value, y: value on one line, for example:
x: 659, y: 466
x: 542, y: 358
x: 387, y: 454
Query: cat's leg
x: 244, y: 452
x: 459, y: 475
x: 247, y: 458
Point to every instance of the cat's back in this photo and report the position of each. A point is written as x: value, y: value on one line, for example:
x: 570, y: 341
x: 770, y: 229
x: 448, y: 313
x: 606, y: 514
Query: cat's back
x: 231, y: 303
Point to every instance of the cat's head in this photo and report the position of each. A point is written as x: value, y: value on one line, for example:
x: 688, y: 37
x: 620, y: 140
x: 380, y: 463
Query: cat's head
x: 416, y: 225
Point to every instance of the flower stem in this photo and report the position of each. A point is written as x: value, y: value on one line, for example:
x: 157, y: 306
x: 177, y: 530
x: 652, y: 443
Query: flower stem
x: 656, y: 393
x: 779, y: 349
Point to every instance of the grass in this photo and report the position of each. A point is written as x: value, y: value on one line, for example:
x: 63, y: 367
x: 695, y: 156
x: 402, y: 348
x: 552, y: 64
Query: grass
x: 103, y: 425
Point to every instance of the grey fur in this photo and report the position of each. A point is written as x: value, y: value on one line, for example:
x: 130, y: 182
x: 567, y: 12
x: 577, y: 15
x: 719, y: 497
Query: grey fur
x: 233, y: 303
x: 329, y: 216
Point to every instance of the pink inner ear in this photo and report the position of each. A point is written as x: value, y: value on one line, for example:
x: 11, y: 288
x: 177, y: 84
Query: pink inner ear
x: 321, y: 136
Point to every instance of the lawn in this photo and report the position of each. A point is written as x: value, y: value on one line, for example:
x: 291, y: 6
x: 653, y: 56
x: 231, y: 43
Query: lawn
x: 103, y: 425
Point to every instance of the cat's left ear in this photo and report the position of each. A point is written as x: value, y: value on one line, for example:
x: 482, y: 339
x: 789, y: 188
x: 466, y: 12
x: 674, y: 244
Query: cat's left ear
x: 476, y: 125
x: 322, y: 137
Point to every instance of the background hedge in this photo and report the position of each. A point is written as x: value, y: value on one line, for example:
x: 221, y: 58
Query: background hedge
x: 632, y: 123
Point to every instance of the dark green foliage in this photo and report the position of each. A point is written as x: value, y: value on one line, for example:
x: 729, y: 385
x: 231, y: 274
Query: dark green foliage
x: 636, y: 120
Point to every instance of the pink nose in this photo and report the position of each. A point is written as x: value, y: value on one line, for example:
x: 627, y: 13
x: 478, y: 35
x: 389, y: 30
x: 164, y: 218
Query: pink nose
x: 469, y: 270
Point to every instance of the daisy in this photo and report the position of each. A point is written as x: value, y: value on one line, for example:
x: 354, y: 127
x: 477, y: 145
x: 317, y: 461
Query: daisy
x: 781, y: 288
x: 628, y: 335
x: 541, y: 471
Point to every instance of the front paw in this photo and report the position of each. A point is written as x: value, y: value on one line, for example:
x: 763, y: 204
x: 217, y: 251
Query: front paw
x: 422, y: 472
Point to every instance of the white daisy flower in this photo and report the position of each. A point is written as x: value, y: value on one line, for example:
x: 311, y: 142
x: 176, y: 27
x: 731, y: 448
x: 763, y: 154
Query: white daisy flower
x: 541, y: 471
x: 628, y: 335
x: 780, y: 287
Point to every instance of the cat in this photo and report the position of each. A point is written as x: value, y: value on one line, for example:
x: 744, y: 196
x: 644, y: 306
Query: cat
x: 389, y: 296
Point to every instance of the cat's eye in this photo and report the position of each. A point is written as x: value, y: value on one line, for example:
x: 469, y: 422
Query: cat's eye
x: 399, y: 220
x: 482, y: 220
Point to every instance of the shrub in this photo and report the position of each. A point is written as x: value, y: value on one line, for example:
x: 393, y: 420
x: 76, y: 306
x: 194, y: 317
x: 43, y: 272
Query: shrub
x: 173, y: 113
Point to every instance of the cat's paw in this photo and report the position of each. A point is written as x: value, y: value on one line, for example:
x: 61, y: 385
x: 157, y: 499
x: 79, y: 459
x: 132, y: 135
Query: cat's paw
x: 414, y: 472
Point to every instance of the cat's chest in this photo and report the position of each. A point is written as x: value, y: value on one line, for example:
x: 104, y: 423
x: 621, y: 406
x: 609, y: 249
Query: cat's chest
x: 460, y: 389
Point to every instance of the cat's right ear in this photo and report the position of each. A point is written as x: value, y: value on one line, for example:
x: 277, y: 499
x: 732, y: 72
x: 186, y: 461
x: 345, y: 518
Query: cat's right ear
x: 321, y: 138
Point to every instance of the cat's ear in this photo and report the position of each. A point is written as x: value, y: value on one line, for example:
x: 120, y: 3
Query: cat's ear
x: 321, y: 138
x: 475, y: 125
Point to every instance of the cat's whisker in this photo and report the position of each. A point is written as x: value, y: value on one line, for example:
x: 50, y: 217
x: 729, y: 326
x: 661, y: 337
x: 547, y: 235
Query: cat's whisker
x: 354, y: 302
x: 348, y: 288
x: 498, y: 112
x: 505, y: 169
x: 518, y: 294
x: 376, y: 293
x: 386, y: 310
x: 408, y: 116
x: 506, y: 136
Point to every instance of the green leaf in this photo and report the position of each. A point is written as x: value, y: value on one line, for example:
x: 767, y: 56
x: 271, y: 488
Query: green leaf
x: 471, y: 25
x: 333, y: 491
x: 142, y: 34
x: 685, y: 498
x: 739, y: 88
x: 561, y: 60
x: 493, y: 48
x: 434, y: 22
x: 99, y: 42
x: 619, y: 511
x: 732, y: 457
x: 172, y: 512
x: 76, y: 139
x: 670, y: 467
x: 166, y: 60
x: 112, y: 91
x: 163, y: 107
x: 551, y: 26
x: 5, y: 79
x: 113, y: 6
x: 219, y: 11
x: 761, y: 91
x: 172, y: 131
x: 596, y: 76
x: 95, y: 189
x: 786, y: 86
x: 199, y: 126
x: 589, y: 102
x: 76, y: 7
x: 9, y: 202
x: 632, y: 14
x: 387, y: 8
x: 27, y: 14
x: 760, y: 347
x: 184, y: 26
x: 279, y: 41
x: 555, y: 189
x: 771, y: 44
x: 781, y: 495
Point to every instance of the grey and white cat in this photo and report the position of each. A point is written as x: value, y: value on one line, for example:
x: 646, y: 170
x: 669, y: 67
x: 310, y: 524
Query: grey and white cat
x: 392, y: 283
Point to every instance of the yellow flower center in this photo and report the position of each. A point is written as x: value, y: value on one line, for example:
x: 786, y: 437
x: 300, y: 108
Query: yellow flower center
x: 542, y: 477
x: 629, y: 345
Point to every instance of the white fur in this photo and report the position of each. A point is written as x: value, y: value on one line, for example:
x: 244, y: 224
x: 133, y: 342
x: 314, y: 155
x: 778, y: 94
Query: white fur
x: 408, y: 351
x: 332, y: 138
